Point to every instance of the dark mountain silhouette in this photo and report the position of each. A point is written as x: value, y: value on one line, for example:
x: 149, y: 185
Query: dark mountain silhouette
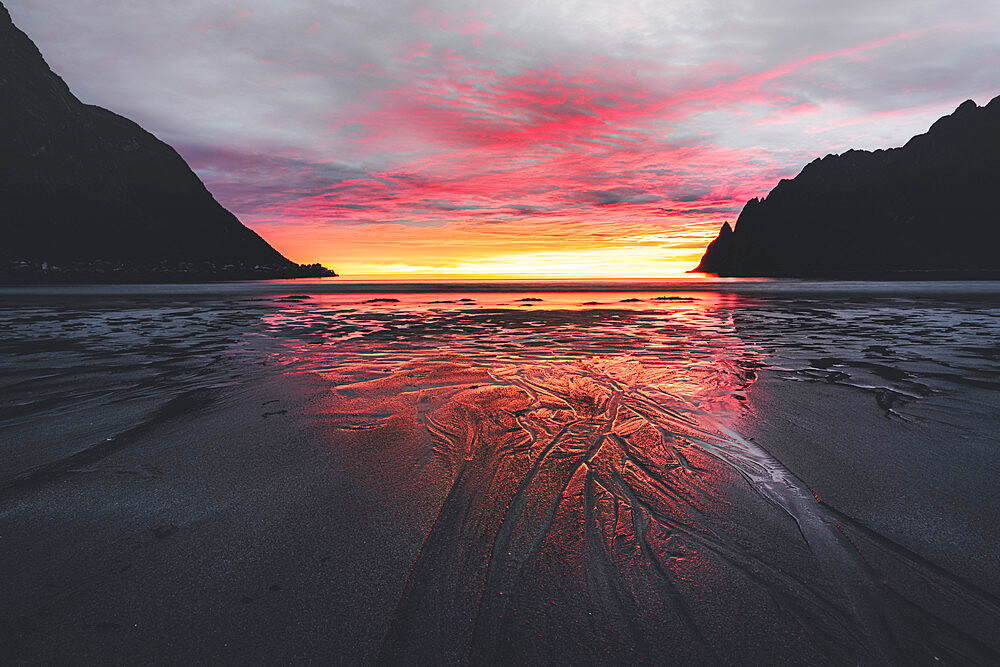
x: 928, y: 209
x: 85, y: 191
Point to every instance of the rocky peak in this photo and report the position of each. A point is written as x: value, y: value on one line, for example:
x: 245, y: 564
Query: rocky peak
x: 928, y: 207
x: 80, y: 183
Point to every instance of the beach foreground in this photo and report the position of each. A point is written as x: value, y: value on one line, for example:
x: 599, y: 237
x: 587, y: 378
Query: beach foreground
x: 585, y: 478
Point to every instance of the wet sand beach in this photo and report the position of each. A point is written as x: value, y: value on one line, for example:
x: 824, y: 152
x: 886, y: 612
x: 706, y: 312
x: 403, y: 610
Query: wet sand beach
x: 448, y: 477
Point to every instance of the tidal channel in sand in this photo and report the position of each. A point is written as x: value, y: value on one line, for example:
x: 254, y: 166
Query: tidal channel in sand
x: 275, y: 473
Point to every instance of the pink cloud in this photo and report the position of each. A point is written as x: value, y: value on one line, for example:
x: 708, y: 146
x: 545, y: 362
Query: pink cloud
x: 581, y: 151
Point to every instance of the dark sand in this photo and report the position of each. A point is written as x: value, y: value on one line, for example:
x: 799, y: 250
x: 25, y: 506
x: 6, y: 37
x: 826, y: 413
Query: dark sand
x: 920, y: 480
x: 455, y: 508
x: 219, y: 535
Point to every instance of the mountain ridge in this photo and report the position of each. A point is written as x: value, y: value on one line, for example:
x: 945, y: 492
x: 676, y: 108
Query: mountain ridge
x: 924, y: 209
x: 84, y: 190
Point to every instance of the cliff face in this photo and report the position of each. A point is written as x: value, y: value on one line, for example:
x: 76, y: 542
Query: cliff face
x: 80, y: 183
x: 929, y: 206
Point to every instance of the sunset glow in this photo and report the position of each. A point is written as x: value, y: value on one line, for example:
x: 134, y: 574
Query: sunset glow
x: 506, y: 140
x: 519, y: 248
x: 370, y: 332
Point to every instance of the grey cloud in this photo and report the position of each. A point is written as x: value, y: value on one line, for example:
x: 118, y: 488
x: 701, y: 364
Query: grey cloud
x: 622, y: 195
x: 694, y: 195
x: 247, y: 181
x: 681, y: 212
x: 203, y: 72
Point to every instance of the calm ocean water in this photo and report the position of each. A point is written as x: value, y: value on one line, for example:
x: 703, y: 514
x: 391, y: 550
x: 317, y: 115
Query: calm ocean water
x: 763, y: 286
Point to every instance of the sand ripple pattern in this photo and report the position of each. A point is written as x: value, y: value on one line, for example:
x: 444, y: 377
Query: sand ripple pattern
x: 601, y: 499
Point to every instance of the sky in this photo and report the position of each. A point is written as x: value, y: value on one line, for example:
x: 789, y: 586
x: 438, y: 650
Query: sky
x: 594, y: 138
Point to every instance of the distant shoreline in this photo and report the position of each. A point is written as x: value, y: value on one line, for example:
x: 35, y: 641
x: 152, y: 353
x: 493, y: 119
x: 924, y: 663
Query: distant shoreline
x: 873, y: 275
x: 553, y: 293
x: 15, y: 273
x: 104, y: 272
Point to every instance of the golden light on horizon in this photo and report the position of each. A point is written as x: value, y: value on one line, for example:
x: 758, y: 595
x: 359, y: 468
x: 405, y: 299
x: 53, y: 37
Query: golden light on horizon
x: 605, y: 263
x: 468, y: 250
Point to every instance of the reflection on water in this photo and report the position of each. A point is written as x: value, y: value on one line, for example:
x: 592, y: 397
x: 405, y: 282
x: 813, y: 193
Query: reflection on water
x: 688, y: 338
x: 600, y: 499
x: 599, y: 487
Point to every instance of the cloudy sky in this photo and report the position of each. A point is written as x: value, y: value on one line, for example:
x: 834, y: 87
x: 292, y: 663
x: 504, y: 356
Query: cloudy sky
x: 594, y: 137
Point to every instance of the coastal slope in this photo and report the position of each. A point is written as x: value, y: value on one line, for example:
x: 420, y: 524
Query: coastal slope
x: 928, y: 208
x: 89, y: 191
